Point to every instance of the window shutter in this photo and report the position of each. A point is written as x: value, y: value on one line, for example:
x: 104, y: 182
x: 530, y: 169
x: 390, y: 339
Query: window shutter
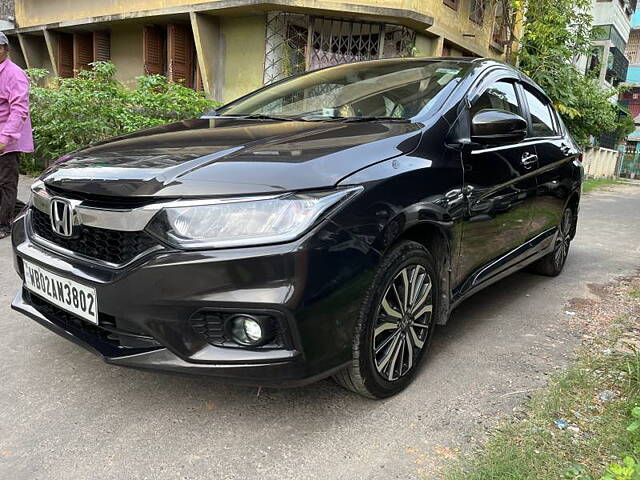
x: 153, y: 51
x: 180, y: 49
x: 82, y: 51
x: 101, y: 46
x: 65, y: 55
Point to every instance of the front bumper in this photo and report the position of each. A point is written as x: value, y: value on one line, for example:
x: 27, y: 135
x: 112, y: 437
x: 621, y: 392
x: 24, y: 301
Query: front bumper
x: 144, y: 308
x: 286, y: 372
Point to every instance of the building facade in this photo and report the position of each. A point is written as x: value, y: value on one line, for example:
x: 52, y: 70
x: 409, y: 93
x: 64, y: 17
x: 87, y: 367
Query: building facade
x: 230, y: 47
x: 608, y: 59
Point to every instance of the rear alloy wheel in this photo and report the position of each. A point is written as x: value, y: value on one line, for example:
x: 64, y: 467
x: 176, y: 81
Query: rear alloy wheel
x: 552, y: 264
x: 395, y: 324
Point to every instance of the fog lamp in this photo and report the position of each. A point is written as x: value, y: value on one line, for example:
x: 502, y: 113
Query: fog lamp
x: 248, y: 330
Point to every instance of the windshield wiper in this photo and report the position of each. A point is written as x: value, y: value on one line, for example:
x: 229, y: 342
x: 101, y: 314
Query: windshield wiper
x: 260, y: 116
x: 374, y: 119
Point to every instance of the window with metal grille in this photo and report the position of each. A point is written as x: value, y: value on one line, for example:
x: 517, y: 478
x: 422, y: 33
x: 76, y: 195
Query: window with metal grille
x: 476, y: 10
x: 336, y: 41
x: 500, y: 33
x: 297, y: 43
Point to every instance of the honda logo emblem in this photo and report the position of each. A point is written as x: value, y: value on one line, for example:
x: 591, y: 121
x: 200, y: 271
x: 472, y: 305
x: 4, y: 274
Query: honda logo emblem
x: 62, y: 217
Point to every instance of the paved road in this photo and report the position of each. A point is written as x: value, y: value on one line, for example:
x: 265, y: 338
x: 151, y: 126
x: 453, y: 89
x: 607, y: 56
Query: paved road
x: 66, y: 415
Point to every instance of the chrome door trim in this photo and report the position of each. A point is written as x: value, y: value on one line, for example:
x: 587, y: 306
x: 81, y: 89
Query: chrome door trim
x: 513, y: 145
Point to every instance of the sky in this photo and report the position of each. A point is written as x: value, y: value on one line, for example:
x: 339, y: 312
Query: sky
x: 635, y: 19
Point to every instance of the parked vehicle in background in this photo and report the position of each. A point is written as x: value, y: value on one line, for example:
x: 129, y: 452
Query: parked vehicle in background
x: 321, y: 226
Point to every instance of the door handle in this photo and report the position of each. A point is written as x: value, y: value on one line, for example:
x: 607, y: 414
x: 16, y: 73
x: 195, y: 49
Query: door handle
x: 528, y: 159
x: 564, y: 148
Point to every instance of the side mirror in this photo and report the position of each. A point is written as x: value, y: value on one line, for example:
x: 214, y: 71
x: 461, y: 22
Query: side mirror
x: 497, y: 127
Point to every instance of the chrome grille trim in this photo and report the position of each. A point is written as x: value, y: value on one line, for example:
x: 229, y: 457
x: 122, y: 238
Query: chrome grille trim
x: 127, y: 220
x: 64, y: 252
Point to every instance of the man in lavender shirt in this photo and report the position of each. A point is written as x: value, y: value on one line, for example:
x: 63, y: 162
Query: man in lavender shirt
x: 15, y: 132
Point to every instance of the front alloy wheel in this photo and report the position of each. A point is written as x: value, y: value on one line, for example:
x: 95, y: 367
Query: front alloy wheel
x: 403, y: 322
x: 395, y: 323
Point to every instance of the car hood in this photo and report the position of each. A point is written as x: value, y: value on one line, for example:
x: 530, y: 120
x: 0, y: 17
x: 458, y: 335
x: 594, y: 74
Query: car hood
x: 210, y: 157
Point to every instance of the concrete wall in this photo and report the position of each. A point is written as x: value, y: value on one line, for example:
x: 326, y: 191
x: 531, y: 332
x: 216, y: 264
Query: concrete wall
x: 126, y: 51
x: 600, y: 162
x: 455, y: 25
x: 230, y: 34
x: 243, y: 48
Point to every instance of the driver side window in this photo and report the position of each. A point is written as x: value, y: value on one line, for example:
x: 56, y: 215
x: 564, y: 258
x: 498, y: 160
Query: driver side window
x: 501, y: 96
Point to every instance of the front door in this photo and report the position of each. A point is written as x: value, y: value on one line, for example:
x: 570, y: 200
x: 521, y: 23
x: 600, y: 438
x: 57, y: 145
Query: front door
x: 500, y: 186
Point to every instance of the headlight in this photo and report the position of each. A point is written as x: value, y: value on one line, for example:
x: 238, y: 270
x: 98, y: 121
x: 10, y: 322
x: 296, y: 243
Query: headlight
x: 244, y: 221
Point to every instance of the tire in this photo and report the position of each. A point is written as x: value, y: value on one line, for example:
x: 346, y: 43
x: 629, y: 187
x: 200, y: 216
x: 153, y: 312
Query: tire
x: 385, y: 316
x: 551, y: 265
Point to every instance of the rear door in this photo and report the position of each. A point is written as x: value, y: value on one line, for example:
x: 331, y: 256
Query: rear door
x: 500, y: 186
x: 554, y: 171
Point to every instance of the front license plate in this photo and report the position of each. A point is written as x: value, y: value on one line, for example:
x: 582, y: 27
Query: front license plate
x: 66, y: 294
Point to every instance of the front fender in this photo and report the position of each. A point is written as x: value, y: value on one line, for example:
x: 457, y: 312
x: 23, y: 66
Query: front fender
x: 405, y: 193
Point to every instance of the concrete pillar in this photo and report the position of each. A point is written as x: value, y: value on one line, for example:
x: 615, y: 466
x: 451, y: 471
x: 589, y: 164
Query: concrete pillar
x: 207, y: 39
x: 438, y: 46
x: 15, y: 52
x: 51, y: 40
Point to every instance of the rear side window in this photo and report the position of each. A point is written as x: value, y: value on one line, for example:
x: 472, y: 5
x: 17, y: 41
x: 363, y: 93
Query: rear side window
x: 501, y: 95
x: 541, y: 116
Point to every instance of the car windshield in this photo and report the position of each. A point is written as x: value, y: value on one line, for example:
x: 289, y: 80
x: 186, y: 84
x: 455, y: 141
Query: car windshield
x: 393, y: 89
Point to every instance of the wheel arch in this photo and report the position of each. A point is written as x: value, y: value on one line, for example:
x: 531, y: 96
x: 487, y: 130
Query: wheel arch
x: 574, y: 203
x: 437, y: 239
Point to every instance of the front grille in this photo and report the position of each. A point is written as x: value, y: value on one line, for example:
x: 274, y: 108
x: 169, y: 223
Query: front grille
x: 111, y: 246
x: 106, y: 338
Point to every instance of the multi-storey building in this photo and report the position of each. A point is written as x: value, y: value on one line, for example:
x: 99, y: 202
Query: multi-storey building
x: 608, y: 60
x: 229, y: 47
x: 630, y: 99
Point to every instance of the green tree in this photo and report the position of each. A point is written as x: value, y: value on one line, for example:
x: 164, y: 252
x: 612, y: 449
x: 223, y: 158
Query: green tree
x: 555, y: 34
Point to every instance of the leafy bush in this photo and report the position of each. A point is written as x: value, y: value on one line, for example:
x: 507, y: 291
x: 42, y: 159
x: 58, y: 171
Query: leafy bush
x: 71, y: 113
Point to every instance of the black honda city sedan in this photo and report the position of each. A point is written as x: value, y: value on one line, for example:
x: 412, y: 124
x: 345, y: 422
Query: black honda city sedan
x: 320, y: 226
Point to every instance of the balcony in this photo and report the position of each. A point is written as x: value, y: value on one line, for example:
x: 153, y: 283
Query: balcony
x: 617, y: 66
